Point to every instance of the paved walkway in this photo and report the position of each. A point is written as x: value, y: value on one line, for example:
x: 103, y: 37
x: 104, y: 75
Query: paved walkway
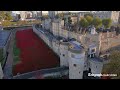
x: 8, y: 67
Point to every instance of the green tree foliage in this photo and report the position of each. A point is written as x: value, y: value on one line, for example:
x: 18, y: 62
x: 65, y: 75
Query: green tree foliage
x: 5, y: 15
x: 45, y: 16
x: 2, y: 15
x: 83, y: 22
x: 88, y: 14
x: 113, y: 67
x: 107, y: 22
x: 6, y: 23
x: 61, y: 15
x: 19, y: 23
x: 57, y: 16
x: 97, y: 22
x: 69, y: 20
x: 89, y: 19
x: 69, y: 13
x: 8, y: 16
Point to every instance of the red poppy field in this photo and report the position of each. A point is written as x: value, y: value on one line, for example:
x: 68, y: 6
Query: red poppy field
x: 35, y: 54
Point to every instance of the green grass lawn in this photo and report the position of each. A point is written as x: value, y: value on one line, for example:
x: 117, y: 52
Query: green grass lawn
x: 16, y: 52
x: 16, y: 60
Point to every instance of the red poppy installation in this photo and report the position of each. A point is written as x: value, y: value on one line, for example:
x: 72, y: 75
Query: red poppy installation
x: 35, y: 54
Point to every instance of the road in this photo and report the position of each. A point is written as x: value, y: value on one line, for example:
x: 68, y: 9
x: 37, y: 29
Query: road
x: 8, y: 66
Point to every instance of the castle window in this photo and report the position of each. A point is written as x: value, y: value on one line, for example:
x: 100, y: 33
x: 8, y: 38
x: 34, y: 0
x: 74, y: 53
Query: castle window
x: 93, y: 50
x: 96, y: 66
x: 74, y: 65
x: 63, y: 54
x: 72, y: 55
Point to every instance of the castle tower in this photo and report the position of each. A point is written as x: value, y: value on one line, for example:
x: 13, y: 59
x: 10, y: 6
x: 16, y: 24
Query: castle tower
x: 96, y: 65
x: 92, y: 50
x: 55, y: 44
x: 64, y: 53
x: 93, y: 30
x: 95, y: 62
x: 76, y: 56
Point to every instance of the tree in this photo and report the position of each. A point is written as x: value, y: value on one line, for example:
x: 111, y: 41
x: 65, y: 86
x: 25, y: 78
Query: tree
x: 88, y: 14
x: 1, y: 18
x: 107, y: 22
x: 84, y: 23
x: 113, y: 67
x: 5, y: 15
x: 2, y: 15
x: 69, y: 20
x: 61, y: 15
x: 19, y: 16
x: 6, y: 23
x: 97, y: 22
x: 69, y: 13
x: 57, y: 16
x: 45, y: 16
x: 8, y: 16
x: 89, y: 19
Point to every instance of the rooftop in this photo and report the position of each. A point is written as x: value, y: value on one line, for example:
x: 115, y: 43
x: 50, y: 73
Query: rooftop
x: 4, y: 35
x: 96, y: 59
x: 76, y: 45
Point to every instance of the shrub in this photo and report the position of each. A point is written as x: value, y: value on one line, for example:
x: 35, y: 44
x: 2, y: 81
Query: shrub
x: 6, y: 23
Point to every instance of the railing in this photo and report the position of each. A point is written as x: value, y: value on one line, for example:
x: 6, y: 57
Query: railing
x: 17, y: 27
x: 43, y: 72
x: 5, y: 60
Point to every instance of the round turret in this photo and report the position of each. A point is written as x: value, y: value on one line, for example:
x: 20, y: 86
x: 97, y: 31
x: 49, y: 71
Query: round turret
x: 64, y: 53
x: 55, y: 46
x: 93, y: 30
x: 96, y: 65
x: 76, y: 56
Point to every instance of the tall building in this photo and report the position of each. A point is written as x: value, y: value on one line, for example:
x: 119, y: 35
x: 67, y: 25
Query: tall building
x: 23, y: 15
x: 52, y: 14
x: 81, y: 14
x: 15, y: 15
x: 57, y: 26
x: 29, y: 14
x: 113, y: 15
x: 34, y: 14
x: 39, y: 13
